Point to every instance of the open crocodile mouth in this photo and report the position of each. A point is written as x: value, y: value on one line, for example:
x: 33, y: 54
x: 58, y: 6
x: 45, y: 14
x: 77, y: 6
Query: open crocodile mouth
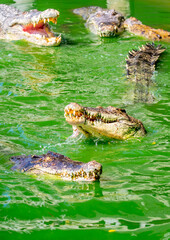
x: 41, y: 27
x: 74, y: 114
x: 37, y: 28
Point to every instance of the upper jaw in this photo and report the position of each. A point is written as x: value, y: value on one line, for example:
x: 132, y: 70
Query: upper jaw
x: 110, y: 29
x: 35, y: 16
x: 47, y: 15
x: 107, y: 30
x: 77, y: 115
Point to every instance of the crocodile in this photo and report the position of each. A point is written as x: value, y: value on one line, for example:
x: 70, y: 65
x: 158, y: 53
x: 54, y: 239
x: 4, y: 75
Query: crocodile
x: 103, y: 22
x: 109, y: 23
x: 58, y: 165
x: 31, y: 26
x: 110, y: 122
x: 140, y: 66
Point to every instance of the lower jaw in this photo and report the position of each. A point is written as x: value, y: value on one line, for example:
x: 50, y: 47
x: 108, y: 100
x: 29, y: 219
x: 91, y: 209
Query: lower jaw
x: 51, y: 41
x: 75, y: 122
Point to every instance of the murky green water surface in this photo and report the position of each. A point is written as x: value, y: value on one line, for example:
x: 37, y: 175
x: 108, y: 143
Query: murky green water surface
x: 36, y: 83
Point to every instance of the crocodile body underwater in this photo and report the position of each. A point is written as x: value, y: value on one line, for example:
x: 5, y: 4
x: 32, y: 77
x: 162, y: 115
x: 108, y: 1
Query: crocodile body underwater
x: 31, y: 26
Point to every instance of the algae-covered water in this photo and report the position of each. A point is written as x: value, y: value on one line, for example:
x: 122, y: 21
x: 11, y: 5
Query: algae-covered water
x: 131, y: 201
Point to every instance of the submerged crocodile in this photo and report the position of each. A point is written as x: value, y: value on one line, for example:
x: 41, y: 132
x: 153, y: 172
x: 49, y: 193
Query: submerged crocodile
x: 58, y: 165
x: 31, y: 26
x: 108, y: 122
x: 140, y: 66
x: 107, y: 23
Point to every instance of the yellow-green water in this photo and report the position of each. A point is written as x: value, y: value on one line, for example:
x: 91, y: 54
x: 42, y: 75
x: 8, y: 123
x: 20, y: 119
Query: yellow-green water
x: 36, y: 83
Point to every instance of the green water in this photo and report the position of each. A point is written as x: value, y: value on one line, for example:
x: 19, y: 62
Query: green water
x: 36, y: 83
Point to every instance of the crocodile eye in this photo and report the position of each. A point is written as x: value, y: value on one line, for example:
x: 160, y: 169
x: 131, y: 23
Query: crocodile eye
x: 113, y: 13
x: 120, y: 18
x: 159, y: 36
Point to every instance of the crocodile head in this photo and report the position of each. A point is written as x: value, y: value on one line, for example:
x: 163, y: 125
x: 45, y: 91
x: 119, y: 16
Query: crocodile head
x: 58, y: 165
x: 100, y: 21
x: 106, y: 23
x: 32, y: 25
x: 107, y: 122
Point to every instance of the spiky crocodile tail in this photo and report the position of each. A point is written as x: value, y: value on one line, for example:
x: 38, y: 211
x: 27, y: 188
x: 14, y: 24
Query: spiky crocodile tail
x: 140, y: 64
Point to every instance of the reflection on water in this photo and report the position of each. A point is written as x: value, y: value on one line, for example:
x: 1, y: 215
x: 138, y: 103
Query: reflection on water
x: 23, y: 5
x: 38, y: 75
x: 143, y: 91
x: 75, y: 205
x: 122, y: 6
x: 53, y: 223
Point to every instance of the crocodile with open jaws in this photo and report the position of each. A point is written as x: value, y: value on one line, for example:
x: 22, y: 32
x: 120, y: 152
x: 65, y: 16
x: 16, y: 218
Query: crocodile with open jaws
x: 58, y: 165
x: 108, y: 23
x: 108, y: 122
x: 140, y: 66
x: 31, y: 26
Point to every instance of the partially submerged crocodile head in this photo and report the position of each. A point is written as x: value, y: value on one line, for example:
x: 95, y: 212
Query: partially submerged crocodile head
x: 107, y: 23
x: 31, y: 25
x: 103, y: 22
x: 108, y: 122
x: 58, y: 165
